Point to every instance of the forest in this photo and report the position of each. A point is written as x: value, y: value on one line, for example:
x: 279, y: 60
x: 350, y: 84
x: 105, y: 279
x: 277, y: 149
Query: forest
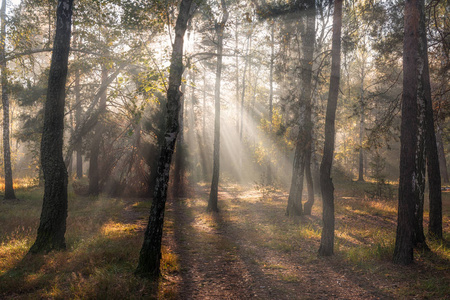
x: 225, y: 149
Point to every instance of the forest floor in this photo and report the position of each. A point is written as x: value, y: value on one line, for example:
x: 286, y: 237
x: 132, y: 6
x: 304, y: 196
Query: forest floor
x: 250, y: 249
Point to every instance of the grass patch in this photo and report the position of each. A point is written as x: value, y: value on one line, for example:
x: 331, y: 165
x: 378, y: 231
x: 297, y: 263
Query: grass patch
x: 103, y: 243
x: 104, y: 236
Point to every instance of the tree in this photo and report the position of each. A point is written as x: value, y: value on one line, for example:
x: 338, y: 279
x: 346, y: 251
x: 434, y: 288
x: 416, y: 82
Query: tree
x: 150, y: 254
x: 302, y: 157
x: 212, y: 202
x: 433, y: 168
x: 412, y: 167
x: 9, y: 189
x: 52, y: 225
x: 326, y: 183
x: 94, y: 175
x: 272, y: 59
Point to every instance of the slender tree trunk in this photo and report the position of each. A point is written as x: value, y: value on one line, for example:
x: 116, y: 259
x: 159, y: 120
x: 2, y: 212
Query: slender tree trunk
x: 179, y: 168
x: 308, y: 50
x: 150, y: 254
x: 433, y: 170
x: 52, y: 225
x: 411, y: 165
x: 220, y: 27
x: 326, y: 183
x: 303, y: 145
x: 272, y: 59
x: 78, y: 112
x: 361, y: 129
x: 243, y: 90
x: 294, y: 207
x: 9, y: 188
x: 441, y: 153
x: 94, y: 174
x: 236, y: 50
x: 418, y: 235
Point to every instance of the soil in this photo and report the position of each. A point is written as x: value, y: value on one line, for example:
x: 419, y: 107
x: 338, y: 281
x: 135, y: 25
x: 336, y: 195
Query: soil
x: 227, y: 255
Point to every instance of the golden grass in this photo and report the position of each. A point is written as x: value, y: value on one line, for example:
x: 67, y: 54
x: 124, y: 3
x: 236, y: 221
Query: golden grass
x: 19, y: 183
x: 103, y: 245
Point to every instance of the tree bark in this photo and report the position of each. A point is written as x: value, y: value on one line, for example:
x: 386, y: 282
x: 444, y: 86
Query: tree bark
x: 9, y: 188
x: 150, y: 254
x: 433, y: 169
x: 361, y: 128
x: 326, y: 183
x: 237, y: 71
x: 94, y: 174
x: 52, y: 225
x: 78, y: 112
x: 411, y: 156
x: 179, y: 169
x: 213, y: 195
x: 272, y: 59
x: 441, y: 153
x: 303, y: 145
x: 243, y: 89
x: 308, y: 49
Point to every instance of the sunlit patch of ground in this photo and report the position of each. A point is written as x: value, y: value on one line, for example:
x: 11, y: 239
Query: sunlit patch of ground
x: 19, y: 183
x: 250, y: 249
x: 275, y: 251
x: 104, y: 236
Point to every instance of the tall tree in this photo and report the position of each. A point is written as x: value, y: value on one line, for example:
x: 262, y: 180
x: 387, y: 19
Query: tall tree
x: 78, y: 111
x: 94, y: 174
x: 220, y: 28
x: 441, y: 153
x: 52, y: 225
x: 180, y: 151
x: 150, y: 254
x: 302, y: 157
x: 9, y: 189
x: 411, y: 167
x: 326, y: 183
x: 433, y: 168
x: 272, y: 60
x: 361, y: 121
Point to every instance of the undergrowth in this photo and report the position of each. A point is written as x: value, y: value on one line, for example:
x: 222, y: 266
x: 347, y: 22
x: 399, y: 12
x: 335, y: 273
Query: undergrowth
x: 103, y: 245
x: 104, y: 236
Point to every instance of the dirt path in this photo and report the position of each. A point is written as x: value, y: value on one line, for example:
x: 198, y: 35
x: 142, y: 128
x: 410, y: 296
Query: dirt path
x: 238, y: 253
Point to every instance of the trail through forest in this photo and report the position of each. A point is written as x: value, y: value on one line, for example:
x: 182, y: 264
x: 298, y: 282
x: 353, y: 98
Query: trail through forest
x: 251, y: 250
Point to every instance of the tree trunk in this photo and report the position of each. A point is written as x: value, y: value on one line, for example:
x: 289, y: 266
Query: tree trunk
x: 361, y: 129
x: 212, y: 202
x: 441, y: 153
x: 411, y: 166
x: 52, y: 225
x: 150, y: 254
x: 9, y: 188
x: 94, y: 175
x: 303, y: 145
x: 326, y: 183
x: 294, y: 207
x: 179, y: 169
x: 272, y: 59
x: 78, y: 112
x: 237, y: 71
x: 308, y: 50
x: 433, y: 170
x: 243, y: 90
x: 418, y: 235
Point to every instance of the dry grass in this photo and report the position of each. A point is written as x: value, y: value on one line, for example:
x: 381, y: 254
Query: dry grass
x: 103, y: 244
x: 104, y: 237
